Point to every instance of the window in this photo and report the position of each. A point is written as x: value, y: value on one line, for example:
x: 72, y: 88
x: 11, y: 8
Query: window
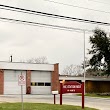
x: 33, y: 84
x: 40, y: 84
x: 47, y: 84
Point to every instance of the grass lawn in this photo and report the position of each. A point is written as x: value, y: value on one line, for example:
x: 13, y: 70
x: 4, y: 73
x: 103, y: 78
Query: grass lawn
x: 95, y: 95
x: 39, y: 106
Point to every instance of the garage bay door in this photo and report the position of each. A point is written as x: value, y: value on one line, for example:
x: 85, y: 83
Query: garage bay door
x: 11, y: 82
x: 40, y: 82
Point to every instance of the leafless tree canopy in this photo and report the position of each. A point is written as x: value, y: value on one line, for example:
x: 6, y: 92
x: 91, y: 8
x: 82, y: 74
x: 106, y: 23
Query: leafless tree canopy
x: 86, y: 63
x: 73, y: 70
x: 39, y: 60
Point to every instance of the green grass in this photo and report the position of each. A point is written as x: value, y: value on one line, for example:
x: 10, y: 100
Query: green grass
x: 39, y: 106
x: 95, y: 95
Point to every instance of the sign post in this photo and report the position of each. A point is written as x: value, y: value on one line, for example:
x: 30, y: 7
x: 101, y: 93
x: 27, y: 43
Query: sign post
x: 61, y: 87
x: 21, y: 82
x: 83, y: 95
x: 22, y: 96
x: 54, y: 93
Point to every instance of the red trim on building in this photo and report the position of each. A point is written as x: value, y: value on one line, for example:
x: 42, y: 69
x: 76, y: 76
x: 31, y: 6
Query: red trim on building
x: 28, y: 82
x: 55, y: 78
x: 1, y: 81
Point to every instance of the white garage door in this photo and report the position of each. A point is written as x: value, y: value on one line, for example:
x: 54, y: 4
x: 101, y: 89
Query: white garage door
x: 40, y: 82
x: 11, y: 82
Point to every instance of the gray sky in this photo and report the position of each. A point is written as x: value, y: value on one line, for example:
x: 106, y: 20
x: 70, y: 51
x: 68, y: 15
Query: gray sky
x: 59, y: 46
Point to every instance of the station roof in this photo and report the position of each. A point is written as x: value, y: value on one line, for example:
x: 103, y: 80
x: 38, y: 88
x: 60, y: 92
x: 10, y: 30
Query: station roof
x: 26, y: 66
x: 65, y: 77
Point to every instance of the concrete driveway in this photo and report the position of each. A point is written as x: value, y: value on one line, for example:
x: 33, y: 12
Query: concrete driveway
x: 70, y: 99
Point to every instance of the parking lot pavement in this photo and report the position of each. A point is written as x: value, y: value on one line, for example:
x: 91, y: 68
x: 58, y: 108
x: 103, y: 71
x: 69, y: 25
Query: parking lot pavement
x: 99, y: 103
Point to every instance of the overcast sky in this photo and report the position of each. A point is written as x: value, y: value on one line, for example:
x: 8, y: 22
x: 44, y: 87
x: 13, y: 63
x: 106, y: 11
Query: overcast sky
x: 59, y: 46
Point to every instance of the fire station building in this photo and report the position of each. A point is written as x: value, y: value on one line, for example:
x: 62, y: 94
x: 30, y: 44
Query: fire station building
x: 40, y: 78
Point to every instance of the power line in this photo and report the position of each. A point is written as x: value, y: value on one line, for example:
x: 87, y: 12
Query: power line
x: 30, y: 12
x: 56, y: 16
x: 70, y: 29
x: 9, y: 9
x: 78, y: 6
x: 99, y: 2
x: 44, y: 25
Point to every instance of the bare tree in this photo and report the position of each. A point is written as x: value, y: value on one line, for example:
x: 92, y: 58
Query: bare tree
x: 90, y: 72
x: 73, y: 70
x: 39, y: 60
x: 42, y: 60
x: 86, y: 63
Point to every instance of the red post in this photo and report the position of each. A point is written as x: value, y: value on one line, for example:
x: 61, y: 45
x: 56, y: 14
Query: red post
x: 60, y: 93
x: 82, y: 95
x: 54, y: 99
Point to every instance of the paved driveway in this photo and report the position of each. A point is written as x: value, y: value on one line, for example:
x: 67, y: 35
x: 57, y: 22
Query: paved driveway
x: 99, y: 103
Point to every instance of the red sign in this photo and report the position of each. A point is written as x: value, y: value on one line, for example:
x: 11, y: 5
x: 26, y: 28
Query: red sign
x: 72, y: 87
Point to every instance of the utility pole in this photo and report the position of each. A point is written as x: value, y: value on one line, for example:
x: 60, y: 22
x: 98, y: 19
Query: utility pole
x: 84, y: 59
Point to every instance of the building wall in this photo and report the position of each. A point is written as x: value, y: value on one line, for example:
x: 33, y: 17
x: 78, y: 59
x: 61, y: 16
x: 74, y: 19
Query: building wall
x: 97, y: 86
x: 55, y: 78
x: 1, y: 81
